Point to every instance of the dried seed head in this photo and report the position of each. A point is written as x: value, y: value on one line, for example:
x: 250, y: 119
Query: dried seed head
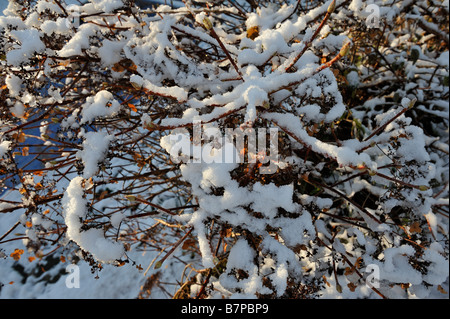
x: 339, y: 288
x: 136, y: 85
x: 412, y: 103
x: 361, y: 167
x: 207, y: 23
x: 266, y: 105
x: 131, y: 198
x: 345, y: 49
x: 151, y: 126
x: 332, y: 7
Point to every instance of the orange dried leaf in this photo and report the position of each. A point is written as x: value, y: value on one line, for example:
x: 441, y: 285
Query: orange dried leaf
x: 325, y: 281
x: 228, y: 232
x: 441, y: 290
x: 31, y: 258
x: 118, y: 68
x: 133, y: 67
x: 103, y: 194
x: 28, y: 224
x: 46, y: 211
x: 62, y: 259
x: 25, y: 115
x: 17, y: 254
x: 38, y: 173
x: 253, y: 32
x: 405, y: 285
x: 361, y: 167
x: 349, y: 271
x: 64, y: 63
x: 132, y: 107
x: 351, y: 286
x: 25, y: 151
x: 188, y: 243
x: 358, y: 263
x: 19, y: 137
x: 415, y: 228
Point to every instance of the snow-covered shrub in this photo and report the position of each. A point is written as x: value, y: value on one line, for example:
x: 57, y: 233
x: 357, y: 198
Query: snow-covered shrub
x: 339, y: 188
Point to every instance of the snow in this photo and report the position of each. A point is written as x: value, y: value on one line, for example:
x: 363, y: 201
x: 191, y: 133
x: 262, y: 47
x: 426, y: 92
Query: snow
x: 355, y: 5
x: 106, y: 6
x: 14, y: 84
x: 102, y: 105
x: 91, y: 240
x: 95, y: 148
x: 110, y: 282
x: 29, y: 44
x: 344, y: 155
x: 110, y: 52
x: 116, y: 219
x: 4, y: 146
x: 241, y: 257
x: 285, y: 220
x: 60, y: 26
x: 175, y: 92
x: 443, y: 59
x: 268, y: 198
x: 79, y: 41
x: 353, y: 78
x: 438, y: 272
x: 43, y: 5
x: 396, y: 266
x: 18, y: 109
